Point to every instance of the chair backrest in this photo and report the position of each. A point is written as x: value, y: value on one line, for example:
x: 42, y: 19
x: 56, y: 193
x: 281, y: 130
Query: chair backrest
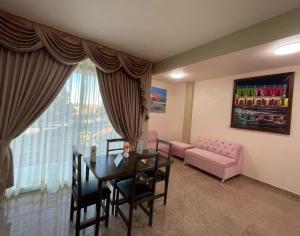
x: 164, y: 148
x: 76, y: 171
x: 109, y: 148
x: 145, y: 162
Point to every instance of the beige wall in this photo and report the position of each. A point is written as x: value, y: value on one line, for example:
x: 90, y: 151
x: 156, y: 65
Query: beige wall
x: 188, y: 111
x: 271, y: 158
x: 169, y: 125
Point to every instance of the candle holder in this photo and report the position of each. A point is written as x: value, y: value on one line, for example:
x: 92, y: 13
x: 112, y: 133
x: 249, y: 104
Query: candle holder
x: 126, y: 150
x: 93, y: 153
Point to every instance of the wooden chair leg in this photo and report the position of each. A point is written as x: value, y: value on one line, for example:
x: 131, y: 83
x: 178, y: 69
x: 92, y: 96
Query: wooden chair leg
x: 78, y: 211
x: 117, y: 203
x: 72, y: 208
x: 166, y: 191
x: 113, y: 202
x: 130, y: 219
x: 98, y: 213
x: 151, y: 212
x: 107, y: 211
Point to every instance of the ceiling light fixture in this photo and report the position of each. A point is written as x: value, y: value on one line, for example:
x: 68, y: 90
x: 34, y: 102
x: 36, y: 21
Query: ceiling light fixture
x: 288, y: 49
x: 177, y: 75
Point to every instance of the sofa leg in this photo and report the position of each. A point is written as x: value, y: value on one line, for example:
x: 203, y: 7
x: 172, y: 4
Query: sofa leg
x: 184, y: 162
x: 222, y: 181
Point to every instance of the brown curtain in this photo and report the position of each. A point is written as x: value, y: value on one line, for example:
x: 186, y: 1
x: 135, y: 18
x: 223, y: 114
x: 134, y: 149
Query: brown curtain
x: 21, y: 35
x: 28, y: 84
x: 121, y: 97
x: 36, y: 62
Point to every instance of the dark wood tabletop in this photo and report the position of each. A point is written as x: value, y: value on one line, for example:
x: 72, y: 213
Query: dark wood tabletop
x: 105, y: 169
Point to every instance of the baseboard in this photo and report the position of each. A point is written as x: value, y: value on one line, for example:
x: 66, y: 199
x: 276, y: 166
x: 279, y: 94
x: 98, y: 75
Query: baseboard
x: 294, y: 195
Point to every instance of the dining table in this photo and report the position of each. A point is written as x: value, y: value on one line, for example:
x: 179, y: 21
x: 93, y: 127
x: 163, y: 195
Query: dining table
x: 105, y: 169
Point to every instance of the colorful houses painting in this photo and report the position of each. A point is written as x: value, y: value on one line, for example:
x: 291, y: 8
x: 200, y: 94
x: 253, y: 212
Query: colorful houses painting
x: 158, y: 100
x: 263, y: 103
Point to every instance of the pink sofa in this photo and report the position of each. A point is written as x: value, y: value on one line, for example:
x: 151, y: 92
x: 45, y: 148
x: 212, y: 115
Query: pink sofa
x: 178, y: 148
x: 220, y: 158
x: 151, y: 144
x: 152, y: 136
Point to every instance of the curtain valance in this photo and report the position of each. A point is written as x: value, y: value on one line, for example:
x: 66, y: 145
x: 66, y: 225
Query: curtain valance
x: 35, y: 62
x: 21, y: 35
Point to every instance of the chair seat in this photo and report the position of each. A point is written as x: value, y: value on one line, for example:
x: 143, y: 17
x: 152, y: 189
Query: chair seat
x: 141, y: 189
x: 90, y: 189
x: 160, y: 176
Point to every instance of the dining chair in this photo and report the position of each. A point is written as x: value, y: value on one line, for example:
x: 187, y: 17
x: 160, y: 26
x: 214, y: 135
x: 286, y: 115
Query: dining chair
x: 136, y: 190
x: 163, y: 174
x: 110, y: 149
x: 84, y: 194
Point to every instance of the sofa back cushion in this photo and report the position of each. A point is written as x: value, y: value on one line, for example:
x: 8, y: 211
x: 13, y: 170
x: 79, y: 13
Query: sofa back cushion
x: 229, y: 149
x: 152, y: 136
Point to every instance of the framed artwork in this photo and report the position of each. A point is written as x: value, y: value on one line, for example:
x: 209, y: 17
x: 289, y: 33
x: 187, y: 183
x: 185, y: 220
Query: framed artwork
x: 158, y: 100
x: 263, y: 103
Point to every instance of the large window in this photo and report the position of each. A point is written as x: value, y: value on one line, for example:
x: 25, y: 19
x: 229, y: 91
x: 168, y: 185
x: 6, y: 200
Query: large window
x: 43, y: 153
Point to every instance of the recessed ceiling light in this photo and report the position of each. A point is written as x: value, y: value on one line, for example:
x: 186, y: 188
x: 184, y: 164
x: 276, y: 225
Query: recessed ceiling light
x: 288, y: 49
x: 177, y: 75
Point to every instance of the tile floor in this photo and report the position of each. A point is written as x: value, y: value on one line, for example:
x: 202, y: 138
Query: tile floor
x: 197, y: 205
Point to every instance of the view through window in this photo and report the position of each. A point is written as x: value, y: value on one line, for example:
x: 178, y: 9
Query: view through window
x: 43, y: 153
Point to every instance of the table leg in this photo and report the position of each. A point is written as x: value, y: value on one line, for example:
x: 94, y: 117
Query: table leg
x: 98, y: 208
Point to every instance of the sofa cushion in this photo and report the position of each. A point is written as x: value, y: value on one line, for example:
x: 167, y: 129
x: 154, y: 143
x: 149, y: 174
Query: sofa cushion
x: 152, y: 136
x: 181, y: 144
x: 228, y: 149
x: 164, y: 150
x: 211, y: 157
x: 178, y: 148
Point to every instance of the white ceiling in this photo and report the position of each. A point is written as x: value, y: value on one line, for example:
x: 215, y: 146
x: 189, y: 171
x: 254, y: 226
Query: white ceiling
x: 257, y: 58
x: 153, y: 29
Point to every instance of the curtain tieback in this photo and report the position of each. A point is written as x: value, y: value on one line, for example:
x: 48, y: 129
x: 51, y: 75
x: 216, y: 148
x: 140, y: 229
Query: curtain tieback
x: 4, y: 143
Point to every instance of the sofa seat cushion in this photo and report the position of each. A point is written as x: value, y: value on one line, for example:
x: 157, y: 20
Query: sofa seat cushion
x: 161, y: 147
x: 178, y: 148
x: 181, y: 144
x: 163, y: 150
x: 212, y: 158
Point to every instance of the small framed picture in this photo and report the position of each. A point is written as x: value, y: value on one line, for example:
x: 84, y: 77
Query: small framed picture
x: 158, y: 100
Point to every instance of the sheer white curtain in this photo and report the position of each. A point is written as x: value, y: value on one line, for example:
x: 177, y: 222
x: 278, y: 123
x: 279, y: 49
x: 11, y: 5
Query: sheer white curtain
x: 43, y: 153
